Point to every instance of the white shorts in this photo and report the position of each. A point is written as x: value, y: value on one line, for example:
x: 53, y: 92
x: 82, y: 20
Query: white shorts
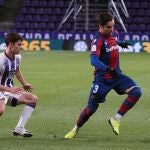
x: 8, y: 96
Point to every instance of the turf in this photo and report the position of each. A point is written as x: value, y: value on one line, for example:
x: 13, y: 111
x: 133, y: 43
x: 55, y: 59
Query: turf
x: 62, y: 82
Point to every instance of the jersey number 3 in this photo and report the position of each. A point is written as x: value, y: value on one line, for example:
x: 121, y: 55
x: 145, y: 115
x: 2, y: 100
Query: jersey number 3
x: 95, y: 88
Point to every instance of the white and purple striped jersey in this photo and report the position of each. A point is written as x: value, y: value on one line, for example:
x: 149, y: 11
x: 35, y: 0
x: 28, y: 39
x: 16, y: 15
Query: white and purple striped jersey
x: 8, y: 68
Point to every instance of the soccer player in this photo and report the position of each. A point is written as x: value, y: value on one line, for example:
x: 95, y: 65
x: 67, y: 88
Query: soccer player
x: 10, y: 95
x: 107, y: 76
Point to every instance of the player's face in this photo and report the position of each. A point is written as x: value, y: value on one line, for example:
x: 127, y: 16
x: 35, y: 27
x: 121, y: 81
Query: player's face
x: 108, y: 28
x: 16, y: 47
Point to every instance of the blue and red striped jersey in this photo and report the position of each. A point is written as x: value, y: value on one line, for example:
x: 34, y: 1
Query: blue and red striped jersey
x: 104, y: 53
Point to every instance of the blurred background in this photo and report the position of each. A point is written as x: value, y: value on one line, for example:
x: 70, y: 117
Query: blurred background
x: 74, y: 21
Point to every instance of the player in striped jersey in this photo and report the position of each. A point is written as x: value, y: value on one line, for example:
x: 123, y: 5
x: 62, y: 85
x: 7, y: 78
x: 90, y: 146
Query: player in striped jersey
x: 107, y: 76
x: 9, y: 94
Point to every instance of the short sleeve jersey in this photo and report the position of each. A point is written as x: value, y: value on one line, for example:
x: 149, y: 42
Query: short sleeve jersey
x: 8, y: 68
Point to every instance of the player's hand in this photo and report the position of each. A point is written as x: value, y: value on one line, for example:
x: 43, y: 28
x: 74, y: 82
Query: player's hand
x: 27, y: 87
x: 124, y: 44
x: 15, y: 90
x: 112, y: 71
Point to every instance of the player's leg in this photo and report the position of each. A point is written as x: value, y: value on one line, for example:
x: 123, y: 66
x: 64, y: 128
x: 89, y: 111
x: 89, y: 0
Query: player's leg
x: 2, y: 106
x: 97, y: 95
x: 3, y: 101
x: 30, y: 102
x: 127, y: 86
x: 134, y: 95
x: 86, y: 113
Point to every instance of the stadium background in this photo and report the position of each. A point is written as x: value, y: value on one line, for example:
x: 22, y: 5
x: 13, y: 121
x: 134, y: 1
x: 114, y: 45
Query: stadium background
x: 62, y: 78
x: 72, y: 23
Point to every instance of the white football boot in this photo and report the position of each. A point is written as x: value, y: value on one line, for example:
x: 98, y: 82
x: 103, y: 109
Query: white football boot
x: 20, y: 131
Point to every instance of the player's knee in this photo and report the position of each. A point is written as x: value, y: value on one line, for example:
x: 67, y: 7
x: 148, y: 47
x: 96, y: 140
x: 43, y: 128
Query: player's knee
x: 33, y: 101
x: 136, y: 92
x: 31, y: 104
x: 93, y: 106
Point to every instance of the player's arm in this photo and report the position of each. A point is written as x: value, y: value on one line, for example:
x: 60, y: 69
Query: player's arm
x: 14, y: 90
x: 25, y: 84
x: 123, y: 44
x: 97, y: 63
x: 95, y: 52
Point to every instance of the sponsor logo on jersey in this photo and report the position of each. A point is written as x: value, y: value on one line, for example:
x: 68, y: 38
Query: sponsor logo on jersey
x: 111, y: 48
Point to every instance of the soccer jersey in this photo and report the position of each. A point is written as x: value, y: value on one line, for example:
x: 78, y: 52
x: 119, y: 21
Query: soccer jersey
x: 106, y: 49
x: 8, y: 68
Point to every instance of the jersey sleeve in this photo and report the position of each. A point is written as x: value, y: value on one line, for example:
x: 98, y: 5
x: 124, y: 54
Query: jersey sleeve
x: 96, y: 46
x: 1, y: 62
x: 97, y: 63
x: 115, y: 34
x: 19, y: 57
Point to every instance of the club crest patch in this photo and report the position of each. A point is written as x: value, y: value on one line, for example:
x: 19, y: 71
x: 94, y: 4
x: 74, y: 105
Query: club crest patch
x: 93, y: 49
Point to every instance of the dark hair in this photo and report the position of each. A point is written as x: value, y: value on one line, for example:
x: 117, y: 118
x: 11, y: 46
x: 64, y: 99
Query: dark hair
x: 103, y: 18
x: 12, y: 38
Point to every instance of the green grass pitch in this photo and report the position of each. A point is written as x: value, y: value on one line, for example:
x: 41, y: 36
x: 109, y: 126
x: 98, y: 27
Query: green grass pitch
x: 62, y: 81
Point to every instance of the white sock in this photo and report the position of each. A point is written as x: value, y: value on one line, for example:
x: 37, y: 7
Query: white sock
x: 76, y: 128
x: 25, y: 115
x: 118, y: 117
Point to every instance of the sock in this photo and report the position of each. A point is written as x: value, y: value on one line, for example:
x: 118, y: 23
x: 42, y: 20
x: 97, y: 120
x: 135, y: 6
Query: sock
x: 118, y: 117
x: 130, y: 101
x: 76, y: 128
x: 84, y: 116
x: 25, y: 115
x: 87, y: 112
x: 127, y: 105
